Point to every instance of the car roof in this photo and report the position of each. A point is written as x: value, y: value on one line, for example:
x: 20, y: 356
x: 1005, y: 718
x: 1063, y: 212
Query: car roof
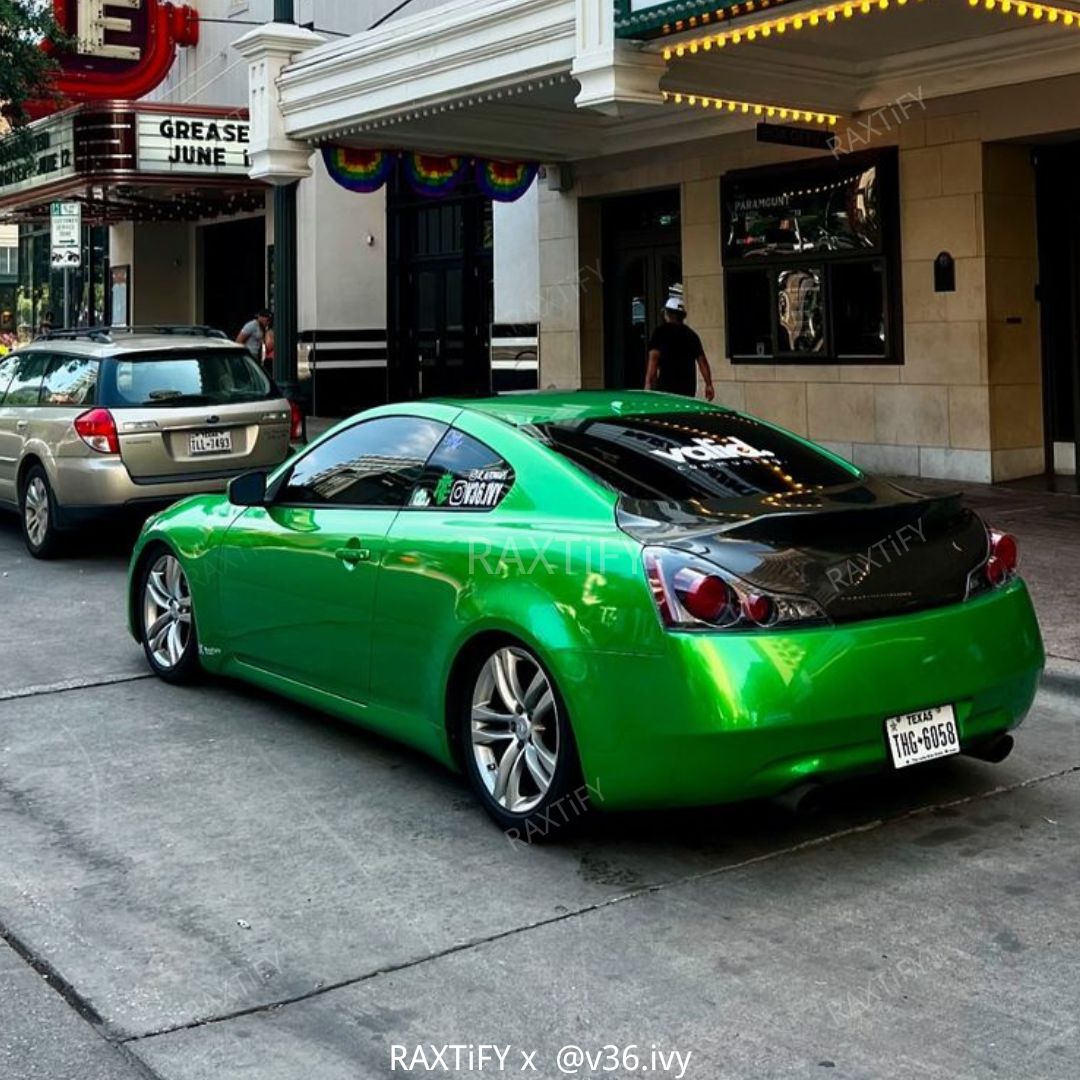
x: 563, y: 406
x: 128, y: 345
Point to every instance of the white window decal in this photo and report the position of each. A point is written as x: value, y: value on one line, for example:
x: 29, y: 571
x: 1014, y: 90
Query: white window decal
x: 709, y: 450
x: 476, y: 493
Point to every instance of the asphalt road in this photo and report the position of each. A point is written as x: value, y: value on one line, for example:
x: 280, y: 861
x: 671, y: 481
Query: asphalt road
x: 213, y: 885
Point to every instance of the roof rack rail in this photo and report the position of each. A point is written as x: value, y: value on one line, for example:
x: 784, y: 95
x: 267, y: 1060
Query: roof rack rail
x: 105, y: 334
x: 91, y: 333
x: 175, y: 330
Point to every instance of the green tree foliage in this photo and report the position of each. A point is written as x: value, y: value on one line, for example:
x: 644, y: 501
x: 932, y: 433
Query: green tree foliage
x: 25, y: 68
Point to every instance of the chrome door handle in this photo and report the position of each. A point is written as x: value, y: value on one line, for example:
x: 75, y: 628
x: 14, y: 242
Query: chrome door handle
x: 353, y: 556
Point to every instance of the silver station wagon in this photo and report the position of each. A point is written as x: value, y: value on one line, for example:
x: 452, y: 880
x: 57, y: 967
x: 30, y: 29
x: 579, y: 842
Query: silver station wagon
x: 94, y: 422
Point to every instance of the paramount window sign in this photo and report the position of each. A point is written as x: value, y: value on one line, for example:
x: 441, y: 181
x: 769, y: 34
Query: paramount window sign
x: 193, y: 145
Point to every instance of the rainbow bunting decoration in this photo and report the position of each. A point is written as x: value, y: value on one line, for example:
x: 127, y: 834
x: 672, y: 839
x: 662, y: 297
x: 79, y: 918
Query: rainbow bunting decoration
x: 363, y: 171
x: 504, y: 181
x: 434, y: 176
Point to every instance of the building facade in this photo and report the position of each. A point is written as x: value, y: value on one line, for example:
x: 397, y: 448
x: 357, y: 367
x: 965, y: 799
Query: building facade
x: 866, y: 203
x: 178, y: 232
x: 348, y: 268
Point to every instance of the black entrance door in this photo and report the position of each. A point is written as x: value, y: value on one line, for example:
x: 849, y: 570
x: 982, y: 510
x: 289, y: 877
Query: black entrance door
x: 1059, y: 292
x: 233, y: 273
x: 642, y: 260
x: 441, y: 295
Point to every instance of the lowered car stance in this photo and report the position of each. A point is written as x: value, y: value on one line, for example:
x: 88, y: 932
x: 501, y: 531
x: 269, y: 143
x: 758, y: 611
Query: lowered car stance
x: 634, y: 598
x: 94, y: 422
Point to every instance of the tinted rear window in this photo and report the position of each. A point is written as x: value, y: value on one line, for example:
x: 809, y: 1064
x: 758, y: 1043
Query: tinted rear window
x: 175, y: 379
x: 692, y: 457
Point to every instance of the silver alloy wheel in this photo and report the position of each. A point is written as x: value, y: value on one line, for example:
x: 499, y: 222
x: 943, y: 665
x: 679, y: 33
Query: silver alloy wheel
x: 515, y: 730
x: 36, y: 511
x: 166, y: 612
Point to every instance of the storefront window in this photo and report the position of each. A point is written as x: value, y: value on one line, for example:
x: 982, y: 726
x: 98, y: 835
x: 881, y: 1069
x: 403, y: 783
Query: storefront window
x: 811, y: 256
x: 45, y: 298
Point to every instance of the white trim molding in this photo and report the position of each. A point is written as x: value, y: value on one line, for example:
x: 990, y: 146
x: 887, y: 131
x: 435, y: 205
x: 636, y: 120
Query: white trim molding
x: 448, y: 54
x: 275, y: 157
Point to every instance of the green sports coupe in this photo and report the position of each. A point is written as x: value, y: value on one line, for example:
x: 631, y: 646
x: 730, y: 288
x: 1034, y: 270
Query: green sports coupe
x: 629, y: 599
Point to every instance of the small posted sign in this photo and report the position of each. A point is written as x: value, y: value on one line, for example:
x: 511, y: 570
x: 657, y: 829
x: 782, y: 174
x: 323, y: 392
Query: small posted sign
x: 66, y: 235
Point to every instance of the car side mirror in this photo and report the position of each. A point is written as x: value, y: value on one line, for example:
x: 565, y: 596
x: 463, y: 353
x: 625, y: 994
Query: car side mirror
x: 248, y: 490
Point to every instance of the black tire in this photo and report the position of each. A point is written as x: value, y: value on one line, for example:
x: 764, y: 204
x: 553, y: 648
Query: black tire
x: 38, y: 514
x: 537, y: 731
x: 167, y: 601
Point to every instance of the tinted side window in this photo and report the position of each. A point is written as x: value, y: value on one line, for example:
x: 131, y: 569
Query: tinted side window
x: 376, y: 463
x: 693, y: 457
x: 463, y: 474
x: 26, y: 385
x: 70, y: 381
x: 7, y: 370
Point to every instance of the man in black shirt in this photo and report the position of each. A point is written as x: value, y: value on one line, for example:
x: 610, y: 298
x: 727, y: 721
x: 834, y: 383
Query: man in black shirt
x: 676, y: 354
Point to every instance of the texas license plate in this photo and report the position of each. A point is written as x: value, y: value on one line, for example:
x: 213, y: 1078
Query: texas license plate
x: 211, y: 442
x: 922, y: 736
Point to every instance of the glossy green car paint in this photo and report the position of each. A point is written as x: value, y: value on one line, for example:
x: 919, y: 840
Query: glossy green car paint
x: 659, y: 717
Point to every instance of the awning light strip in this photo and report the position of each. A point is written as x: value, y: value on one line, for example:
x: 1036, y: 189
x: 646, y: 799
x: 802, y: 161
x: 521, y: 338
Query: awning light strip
x: 1036, y: 11
x: 831, y: 13
x: 751, y: 108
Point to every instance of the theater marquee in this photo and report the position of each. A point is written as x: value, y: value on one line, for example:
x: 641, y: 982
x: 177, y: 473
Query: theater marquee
x: 117, y: 147
x: 193, y: 145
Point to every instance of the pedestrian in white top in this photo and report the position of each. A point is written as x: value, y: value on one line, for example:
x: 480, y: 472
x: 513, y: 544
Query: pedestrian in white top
x: 253, y: 334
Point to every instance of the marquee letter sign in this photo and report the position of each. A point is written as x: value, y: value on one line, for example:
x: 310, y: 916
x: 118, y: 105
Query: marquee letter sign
x: 121, y: 49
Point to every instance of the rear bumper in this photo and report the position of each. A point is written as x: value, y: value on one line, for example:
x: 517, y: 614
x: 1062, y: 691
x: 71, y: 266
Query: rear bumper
x: 89, y: 489
x: 728, y: 717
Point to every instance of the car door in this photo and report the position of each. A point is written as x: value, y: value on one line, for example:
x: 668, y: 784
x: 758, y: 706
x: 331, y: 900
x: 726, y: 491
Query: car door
x: 18, y: 407
x: 298, y: 576
x: 437, y: 550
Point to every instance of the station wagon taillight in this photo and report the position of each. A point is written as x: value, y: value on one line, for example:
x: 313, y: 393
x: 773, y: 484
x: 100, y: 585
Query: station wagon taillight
x: 296, y: 415
x: 97, y: 429
x: 694, y: 594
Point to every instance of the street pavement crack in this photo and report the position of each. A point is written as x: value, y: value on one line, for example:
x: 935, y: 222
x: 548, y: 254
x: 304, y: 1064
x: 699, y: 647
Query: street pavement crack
x: 612, y: 901
x: 73, y: 999
x: 67, y: 686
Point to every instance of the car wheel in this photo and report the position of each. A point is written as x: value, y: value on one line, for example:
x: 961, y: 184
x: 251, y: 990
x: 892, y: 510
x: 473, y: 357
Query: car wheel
x: 167, y: 620
x: 518, y: 746
x: 38, y: 511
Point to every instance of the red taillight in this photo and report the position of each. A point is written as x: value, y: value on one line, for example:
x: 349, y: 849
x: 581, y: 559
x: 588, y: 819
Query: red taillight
x: 1004, y: 558
x: 692, y: 593
x: 706, y: 596
x: 97, y: 429
x: 656, y: 585
x: 759, y: 609
x: 296, y: 433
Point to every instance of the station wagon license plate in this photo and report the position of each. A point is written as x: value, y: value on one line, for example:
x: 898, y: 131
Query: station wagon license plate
x: 211, y: 442
x: 922, y: 736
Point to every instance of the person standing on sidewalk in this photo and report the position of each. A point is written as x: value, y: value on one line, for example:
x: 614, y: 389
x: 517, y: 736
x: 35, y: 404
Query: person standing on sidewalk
x: 676, y: 354
x: 253, y: 335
